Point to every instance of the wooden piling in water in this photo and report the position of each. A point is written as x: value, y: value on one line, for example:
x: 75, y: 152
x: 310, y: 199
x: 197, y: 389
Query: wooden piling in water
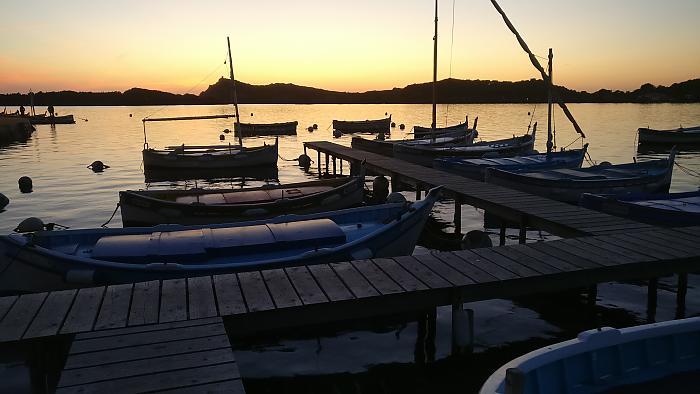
x: 458, y: 216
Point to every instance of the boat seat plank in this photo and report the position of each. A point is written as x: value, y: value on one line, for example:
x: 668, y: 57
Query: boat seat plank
x: 420, y: 271
x: 145, y: 302
x: 399, y: 275
x: 173, y: 300
x: 229, y: 295
x: 82, y: 314
x: 468, y: 269
x: 305, y: 285
x: 256, y: 296
x: 330, y: 283
x: 49, y: 318
x: 358, y: 285
x: 445, y: 271
x: 115, y: 307
x: 202, y: 302
x: 380, y: 280
x: 20, y: 316
x: 281, y: 289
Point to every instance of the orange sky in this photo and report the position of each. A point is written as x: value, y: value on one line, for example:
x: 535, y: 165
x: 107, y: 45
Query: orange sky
x: 180, y: 46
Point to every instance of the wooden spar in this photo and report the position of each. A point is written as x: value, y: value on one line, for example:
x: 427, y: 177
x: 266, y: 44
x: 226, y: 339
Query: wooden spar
x: 187, y: 118
x: 550, y: 144
x: 235, y: 94
x: 435, y: 53
x: 538, y: 66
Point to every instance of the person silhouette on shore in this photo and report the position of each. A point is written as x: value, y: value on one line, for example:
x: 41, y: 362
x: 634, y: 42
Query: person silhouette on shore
x: 50, y: 109
x: 21, y: 110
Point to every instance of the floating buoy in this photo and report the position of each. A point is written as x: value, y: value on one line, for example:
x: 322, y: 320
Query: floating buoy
x: 386, y: 114
x: 380, y: 189
x: 395, y: 197
x: 222, y: 137
x: 304, y: 161
x: 3, y: 201
x: 337, y: 133
x: 29, y: 225
x: 251, y: 114
x: 131, y: 115
x: 310, y: 128
x: 402, y: 126
x: 476, y: 239
x: 393, y: 124
x: 98, y: 166
x: 25, y: 184
x: 315, y: 126
x: 227, y: 131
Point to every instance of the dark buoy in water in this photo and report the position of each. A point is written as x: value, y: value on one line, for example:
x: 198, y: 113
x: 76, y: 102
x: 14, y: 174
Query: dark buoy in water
x: 304, y: 160
x: 337, y: 133
x: 29, y: 225
x: 315, y: 126
x: 131, y: 115
x: 393, y: 124
x: 476, y: 239
x: 3, y: 201
x: 25, y: 184
x: 226, y: 131
x: 98, y: 166
x: 251, y: 114
x: 402, y: 126
x: 222, y: 137
x: 380, y: 189
x: 310, y: 129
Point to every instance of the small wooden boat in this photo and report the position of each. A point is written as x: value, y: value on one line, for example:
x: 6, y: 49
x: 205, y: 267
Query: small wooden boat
x: 386, y: 147
x: 210, y: 157
x: 199, y: 206
x: 681, y: 136
x: 425, y: 132
x: 43, y: 119
x: 363, y: 126
x: 567, y: 185
x: 48, y: 260
x: 263, y: 129
x: 14, y: 129
x: 476, y: 168
x: 601, y: 360
x: 674, y: 209
x: 425, y: 155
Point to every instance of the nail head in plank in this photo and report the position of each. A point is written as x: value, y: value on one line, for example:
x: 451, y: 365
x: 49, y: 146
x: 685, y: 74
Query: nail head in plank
x: 20, y: 316
x: 84, y: 310
x: 256, y: 296
x: 305, y: 285
x: 332, y: 286
x: 202, y: 302
x: 51, y: 315
x: 427, y: 276
x: 228, y: 295
x: 399, y: 275
x: 282, y: 291
x: 115, y: 307
x: 357, y: 284
x: 377, y: 277
x: 173, y: 300
x: 145, y: 302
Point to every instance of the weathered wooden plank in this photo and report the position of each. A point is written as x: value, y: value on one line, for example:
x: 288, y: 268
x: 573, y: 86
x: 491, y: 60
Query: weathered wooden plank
x: 552, y: 261
x: 202, y: 302
x: 20, y: 316
x: 399, y: 275
x: 51, y: 315
x: 525, y: 260
x: 147, y: 328
x: 427, y: 276
x: 82, y: 314
x: 612, y: 248
x: 518, y: 269
x: 145, y: 302
x: 466, y: 268
x: 332, y: 286
x: 282, y: 291
x: 595, y: 255
x: 545, y: 248
x: 228, y: 295
x: 663, y: 239
x: 5, y: 305
x: 445, y: 271
x: 305, y: 285
x: 256, y: 296
x: 654, y: 250
x: 232, y: 386
x: 599, y: 251
x: 115, y: 307
x: 485, y: 264
x: 381, y: 281
x: 358, y: 285
x: 173, y: 300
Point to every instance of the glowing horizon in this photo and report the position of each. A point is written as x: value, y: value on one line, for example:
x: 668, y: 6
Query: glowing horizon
x: 174, y: 45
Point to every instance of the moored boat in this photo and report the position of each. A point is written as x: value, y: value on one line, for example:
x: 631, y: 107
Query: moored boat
x: 363, y: 126
x: 263, y: 129
x: 199, y: 206
x: 420, y: 132
x: 603, y: 359
x: 680, y: 136
x: 673, y: 209
x: 42, y: 119
x: 386, y: 147
x: 476, y: 168
x: 210, y: 157
x: 48, y: 260
x: 567, y: 185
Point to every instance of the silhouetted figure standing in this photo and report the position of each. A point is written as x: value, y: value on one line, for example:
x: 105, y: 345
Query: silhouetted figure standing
x: 50, y: 109
x: 21, y: 110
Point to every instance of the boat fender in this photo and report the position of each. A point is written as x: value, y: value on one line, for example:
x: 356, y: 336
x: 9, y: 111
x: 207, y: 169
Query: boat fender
x: 3, y: 201
x: 310, y: 129
x: 254, y: 212
x: 604, y: 164
x: 393, y: 124
x: 380, y: 189
x: 476, y: 239
x: 25, y: 184
x: 83, y: 277
x: 30, y: 225
x: 330, y: 199
x: 337, y: 133
x: 97, y: 166
x: 315, y: 126
x: 402, y: 126
x: 304, y: 160
x: 395, y: 197
x: 362, y: 254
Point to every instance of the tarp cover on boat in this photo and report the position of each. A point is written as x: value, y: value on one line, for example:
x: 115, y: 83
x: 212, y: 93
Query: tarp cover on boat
x: 205, y: 243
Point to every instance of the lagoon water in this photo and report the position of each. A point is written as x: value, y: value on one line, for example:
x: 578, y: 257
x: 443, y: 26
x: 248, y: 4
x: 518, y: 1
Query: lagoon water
x: 377, y: 356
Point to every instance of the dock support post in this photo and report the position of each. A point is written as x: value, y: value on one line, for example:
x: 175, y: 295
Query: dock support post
x: 334, y: 173
x: 418, y: 195
x: 502, y: 233
x: 430, y: 349
x: 680, y: 295
x: 341, y: 166
x: 425, y: 337
x: 327, y: 158
x: 522, y: 236
x: 318, y: 162
x: 462, y: 329
x: 652, y: 299
x: 458, y: 215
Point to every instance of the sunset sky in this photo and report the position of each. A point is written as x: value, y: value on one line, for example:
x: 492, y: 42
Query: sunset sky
x: 357, y: 45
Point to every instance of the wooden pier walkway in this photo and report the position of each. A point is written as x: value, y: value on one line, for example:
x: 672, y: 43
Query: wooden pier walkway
x: 514, y: 206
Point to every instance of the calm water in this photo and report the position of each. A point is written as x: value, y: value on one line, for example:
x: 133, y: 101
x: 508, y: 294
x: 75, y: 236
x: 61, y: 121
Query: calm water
x: 370, y: 356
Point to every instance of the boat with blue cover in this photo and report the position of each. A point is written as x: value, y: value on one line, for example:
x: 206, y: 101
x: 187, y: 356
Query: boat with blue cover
x: 48, y: 260
x: 672, y: 209
x: 476, y: 168
x: 567, y: 185
x: 604, y: 359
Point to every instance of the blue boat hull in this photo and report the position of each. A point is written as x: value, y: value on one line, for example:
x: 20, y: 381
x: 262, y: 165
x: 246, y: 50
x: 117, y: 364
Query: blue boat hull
x: 628, y: 205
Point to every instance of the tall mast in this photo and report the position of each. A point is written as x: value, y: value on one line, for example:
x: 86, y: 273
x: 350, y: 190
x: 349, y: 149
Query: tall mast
x: 550, y: 144
x: 235, y: 94
x: 435, y: 53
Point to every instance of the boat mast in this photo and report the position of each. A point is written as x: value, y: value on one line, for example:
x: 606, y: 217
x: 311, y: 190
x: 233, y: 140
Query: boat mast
x: 550, y: 144
x: 435, y: 53
x: 235, y: 95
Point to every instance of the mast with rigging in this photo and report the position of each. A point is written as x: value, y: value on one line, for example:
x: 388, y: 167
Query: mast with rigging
x: 235, y: 94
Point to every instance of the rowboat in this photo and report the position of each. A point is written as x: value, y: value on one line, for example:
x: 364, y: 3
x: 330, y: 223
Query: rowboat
x: 674, y: 209
x: 386, y: 148
x: 681, y: 136
x: 425, y: 155
x: 262, y: 129
x: 567, y: 185
x: 605, y: 359
x: 363, y: 126
x: 43, y: 119
x: 423, y: 132
x: 199, y: 206
x: 210, y: 157
x: 48, y: 260
x: 476, y: 168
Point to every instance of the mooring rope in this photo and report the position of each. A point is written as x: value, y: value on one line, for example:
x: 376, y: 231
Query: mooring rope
x: 104, y: 225
x: 688, y: 171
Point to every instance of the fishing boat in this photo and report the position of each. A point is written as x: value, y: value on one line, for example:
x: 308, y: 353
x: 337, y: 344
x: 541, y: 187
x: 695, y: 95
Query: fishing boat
x: 606, y: 359
x: 363, y: 126
x: 420, y: 132
x: 42, y: 118
x: 47, y: 260
x: 386, y: 147
x: 200, y: 206
x: 673, y: 209
x: 476, y: 168
x: 567, y: 185
x: 263, y: 129
x: 680, y: 136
